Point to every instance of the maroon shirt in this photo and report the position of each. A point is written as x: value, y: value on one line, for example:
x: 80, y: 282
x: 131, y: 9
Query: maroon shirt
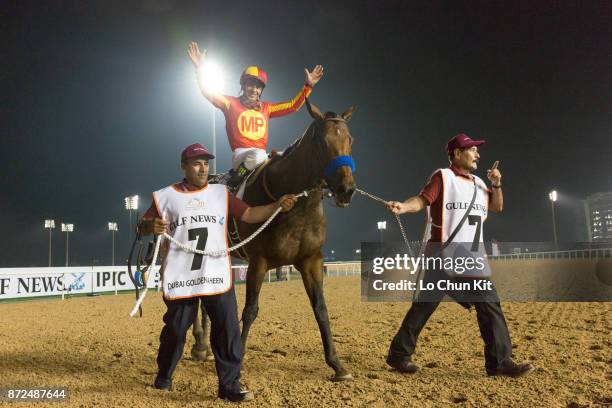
x: 432, y: 193
x: 237, y: 207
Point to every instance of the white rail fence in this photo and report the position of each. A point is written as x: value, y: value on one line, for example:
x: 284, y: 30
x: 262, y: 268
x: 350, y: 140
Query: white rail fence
x: 596, y: 253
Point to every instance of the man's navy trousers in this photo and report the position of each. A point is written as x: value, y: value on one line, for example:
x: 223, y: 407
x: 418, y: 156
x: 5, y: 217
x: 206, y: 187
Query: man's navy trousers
x: 224, y: 338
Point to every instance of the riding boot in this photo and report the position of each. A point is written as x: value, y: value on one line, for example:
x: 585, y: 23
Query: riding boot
x: 237, y: 176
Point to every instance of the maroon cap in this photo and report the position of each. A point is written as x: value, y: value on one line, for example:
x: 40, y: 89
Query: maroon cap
x: 195, y: 150
x: 461, y: 141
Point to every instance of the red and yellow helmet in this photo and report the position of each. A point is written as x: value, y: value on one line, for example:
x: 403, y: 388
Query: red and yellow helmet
x: 256, y: 73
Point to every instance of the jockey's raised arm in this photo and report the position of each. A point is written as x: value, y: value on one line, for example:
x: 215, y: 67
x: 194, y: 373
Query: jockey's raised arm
x: 278, y: 109
x: 197, y: 58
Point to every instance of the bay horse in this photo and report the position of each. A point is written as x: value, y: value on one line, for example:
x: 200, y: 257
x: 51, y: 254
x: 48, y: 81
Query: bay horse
x: 320, y: 159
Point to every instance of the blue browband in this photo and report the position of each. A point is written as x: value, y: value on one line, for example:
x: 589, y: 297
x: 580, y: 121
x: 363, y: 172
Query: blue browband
x: 337, y: 162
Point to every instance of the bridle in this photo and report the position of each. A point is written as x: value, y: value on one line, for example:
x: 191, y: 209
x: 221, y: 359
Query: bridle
x: 330, y: 168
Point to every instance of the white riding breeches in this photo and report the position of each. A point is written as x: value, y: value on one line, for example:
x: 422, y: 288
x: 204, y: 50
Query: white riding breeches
x: 250, y: 156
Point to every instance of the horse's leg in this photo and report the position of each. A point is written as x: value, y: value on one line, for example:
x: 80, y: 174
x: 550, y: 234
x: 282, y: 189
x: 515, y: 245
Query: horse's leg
x: 312, y: 276
x: 255, y: 276
x: 201, y: 348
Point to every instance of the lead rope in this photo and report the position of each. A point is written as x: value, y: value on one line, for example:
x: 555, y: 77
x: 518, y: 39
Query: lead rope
x: 215, y: 253
x: 144, y: 279
x: 397, y: 218
x: 420, y: 271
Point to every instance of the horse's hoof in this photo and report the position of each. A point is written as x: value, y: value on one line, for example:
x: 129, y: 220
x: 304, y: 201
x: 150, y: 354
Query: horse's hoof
x: 342, y: 377
x: 200, y: 355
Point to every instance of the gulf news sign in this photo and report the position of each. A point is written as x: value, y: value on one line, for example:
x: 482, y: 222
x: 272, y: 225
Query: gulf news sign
x: 33, y: 282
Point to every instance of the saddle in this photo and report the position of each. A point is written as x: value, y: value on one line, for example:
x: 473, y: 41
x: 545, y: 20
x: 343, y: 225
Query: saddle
x: 238, y: 190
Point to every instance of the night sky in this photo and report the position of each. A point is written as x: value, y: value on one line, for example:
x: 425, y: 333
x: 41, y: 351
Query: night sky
x: 99, y: 98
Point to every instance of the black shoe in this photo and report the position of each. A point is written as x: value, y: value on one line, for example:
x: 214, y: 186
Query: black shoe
x: 239, y: 396
x: 237, y: 176
x: 162, y: 387
x: 405, y: 365
x: 234, y: 181
x: 510, y: 369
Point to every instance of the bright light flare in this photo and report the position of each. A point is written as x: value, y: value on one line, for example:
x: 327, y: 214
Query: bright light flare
x: 382, y: 225
x: 553, y: 196
x: 49, y: 224
x: 112, y: 226
x: 211, y: 77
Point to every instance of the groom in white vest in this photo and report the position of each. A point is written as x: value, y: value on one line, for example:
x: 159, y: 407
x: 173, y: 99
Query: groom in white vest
x: 448, y: 194
x: 196, y: 213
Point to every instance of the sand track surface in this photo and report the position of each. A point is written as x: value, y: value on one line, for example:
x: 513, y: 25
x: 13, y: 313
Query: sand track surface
x: 105, y: 359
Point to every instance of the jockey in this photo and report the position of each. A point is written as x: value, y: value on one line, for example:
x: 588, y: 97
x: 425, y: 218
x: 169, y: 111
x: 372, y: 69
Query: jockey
x: 246, y: 116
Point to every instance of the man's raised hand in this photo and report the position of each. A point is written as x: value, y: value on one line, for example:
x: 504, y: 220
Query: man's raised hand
x: 494, y: 175
x: 314, y: 76
x: 196, y: 57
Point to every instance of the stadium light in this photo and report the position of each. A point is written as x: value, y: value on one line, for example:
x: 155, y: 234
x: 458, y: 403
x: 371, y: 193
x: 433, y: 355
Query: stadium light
x: 112, y: 227
x: 131, y: 204
x: 553, y: 195
x: 67, y: 228
x: 553, y: 198
x: 382, y: 225
x: 50, y: 225
x: 211, y: 78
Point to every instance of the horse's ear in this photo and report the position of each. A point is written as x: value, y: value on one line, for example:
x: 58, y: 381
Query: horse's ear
x: 314, y: 111
x: 349, y: 112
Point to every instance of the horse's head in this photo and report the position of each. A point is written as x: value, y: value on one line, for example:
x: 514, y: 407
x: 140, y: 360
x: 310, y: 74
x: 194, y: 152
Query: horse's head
x: 333, y: 141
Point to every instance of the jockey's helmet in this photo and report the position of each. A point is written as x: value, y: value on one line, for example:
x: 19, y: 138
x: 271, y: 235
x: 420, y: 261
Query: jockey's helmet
x: 256, y: 73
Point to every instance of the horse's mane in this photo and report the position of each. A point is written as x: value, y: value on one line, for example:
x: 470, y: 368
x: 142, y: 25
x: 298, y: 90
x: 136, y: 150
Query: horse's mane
x: 296, y: 142
x: 291, y: 147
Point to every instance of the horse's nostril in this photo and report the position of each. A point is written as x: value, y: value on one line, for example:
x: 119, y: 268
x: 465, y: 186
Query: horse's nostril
x: 344, y: 189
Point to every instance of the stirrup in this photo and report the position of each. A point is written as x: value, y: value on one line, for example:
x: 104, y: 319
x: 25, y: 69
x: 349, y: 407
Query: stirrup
x: 235, y: 180
x: 237, y: 176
